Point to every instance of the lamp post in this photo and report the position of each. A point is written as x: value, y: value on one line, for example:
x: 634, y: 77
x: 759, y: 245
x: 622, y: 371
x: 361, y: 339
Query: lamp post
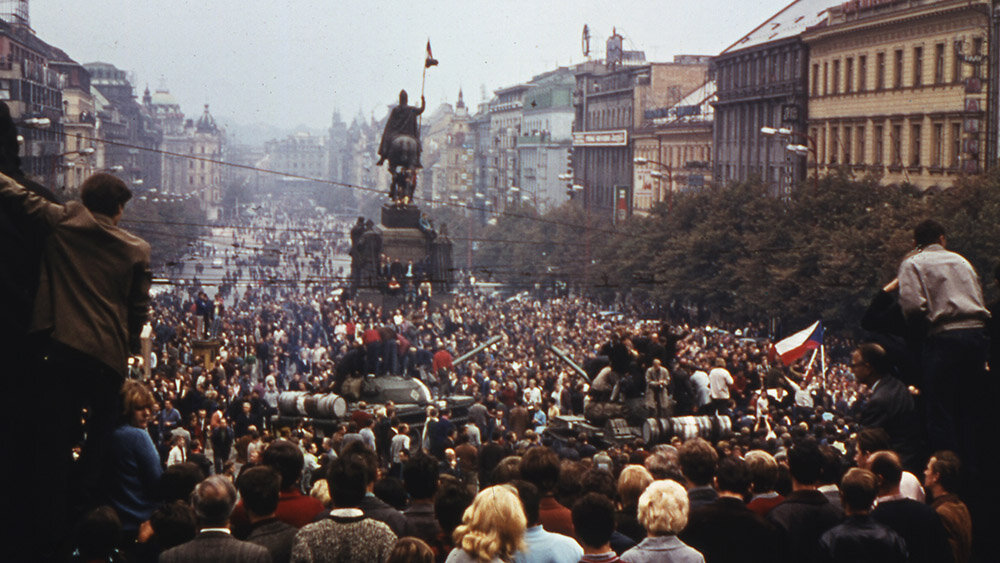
x: 801, y: 150
x: 643, y: 161
x: 87, y: 151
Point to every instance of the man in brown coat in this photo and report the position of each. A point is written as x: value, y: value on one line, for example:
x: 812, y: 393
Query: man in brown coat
x: 92, y: 301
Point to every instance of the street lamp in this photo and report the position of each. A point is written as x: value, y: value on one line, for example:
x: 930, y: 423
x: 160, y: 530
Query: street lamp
x: 799, y: 149
x: 643, y: 161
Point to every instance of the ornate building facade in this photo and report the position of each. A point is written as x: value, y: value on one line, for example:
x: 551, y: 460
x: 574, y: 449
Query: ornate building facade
x: 899, y: 90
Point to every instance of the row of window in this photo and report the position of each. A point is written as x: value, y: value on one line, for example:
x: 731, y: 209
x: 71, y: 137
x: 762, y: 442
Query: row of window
x: 611, y: 118
x: 767, y: 68
x: 853, y: 74
x: 896, y: 144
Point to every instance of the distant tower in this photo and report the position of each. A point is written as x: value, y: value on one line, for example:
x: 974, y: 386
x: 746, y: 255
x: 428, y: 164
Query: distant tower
x: 461, y: 103
x: 15, y: 12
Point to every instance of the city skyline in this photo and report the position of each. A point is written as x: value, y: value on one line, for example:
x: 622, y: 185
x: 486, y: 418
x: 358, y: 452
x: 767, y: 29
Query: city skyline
x: 291, y: 67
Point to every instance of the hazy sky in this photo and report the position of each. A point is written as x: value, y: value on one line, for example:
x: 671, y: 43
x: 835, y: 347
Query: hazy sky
x: 295, y: 62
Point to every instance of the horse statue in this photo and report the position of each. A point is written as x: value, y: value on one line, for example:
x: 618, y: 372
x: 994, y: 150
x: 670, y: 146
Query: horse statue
x: 401, y: 147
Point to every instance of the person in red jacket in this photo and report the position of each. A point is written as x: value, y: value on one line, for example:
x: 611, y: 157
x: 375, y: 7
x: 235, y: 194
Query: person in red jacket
x: 293, y: 507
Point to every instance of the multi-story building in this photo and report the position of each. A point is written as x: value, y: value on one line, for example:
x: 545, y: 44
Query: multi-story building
x: 676, y: 143
x: 761, y: 82
x: 337, y: 147
x: 610, y: 101
x: 899, y: 89
x: 484, y: 171
x: 192, y: 151
x: 300, y: 154
x: 79, y: 121
x: 505, y: 126
x: 546, y: 138
x: 32, y: 89
x: 133, y: 133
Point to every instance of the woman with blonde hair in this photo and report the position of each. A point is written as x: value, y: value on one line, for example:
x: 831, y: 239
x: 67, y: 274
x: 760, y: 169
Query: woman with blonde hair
x: 492, y: 528
x: 133, y: 462
x: 663, y: 511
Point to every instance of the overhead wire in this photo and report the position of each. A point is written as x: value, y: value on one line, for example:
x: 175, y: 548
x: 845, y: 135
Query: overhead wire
x: 431, y: 200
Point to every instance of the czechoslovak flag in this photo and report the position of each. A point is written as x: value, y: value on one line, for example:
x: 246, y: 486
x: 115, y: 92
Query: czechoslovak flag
x: 430, y: 60
x: 796, y: 345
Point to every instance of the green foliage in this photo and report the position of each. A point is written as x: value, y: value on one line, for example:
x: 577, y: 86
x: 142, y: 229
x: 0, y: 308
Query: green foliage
x: 744, y: 255
x: 168, y: 226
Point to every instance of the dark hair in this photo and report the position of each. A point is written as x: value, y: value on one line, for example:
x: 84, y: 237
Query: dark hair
x: 875, y: 356
x: 178, y: 480
x: 450, y: 504
x: 805, y: 462
x: 507, y: 470
x: 947, y: 466
x: 99, y: 533
x: 833, y: 465
x: 599, y: 481
x: 346, y: 478
x: 858, y: 488
x: 213, y: 500
x: 420, y: 476
x: 698, y: 459
x: 927, y: 232
x: 105, y: 194
x: 390, y: 490
x: 733, y: 475
x: 259, y: 487
x: 594, y: 519
x: 173, y: 523
x: 410, y: 550
x: 10, y: 160
x: 873, y: 440
x: 531, y: 500
x: 540, y: 467
x: 287, y: 459
x: 364, y: 455
x: 886, y: 466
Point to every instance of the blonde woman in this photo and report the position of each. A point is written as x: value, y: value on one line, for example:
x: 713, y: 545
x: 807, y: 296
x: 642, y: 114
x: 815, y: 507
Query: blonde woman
x: 663, y: 511
x: 492, y: 529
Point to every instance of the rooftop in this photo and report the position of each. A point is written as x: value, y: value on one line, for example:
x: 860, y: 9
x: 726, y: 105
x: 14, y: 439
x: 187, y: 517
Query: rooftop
x: 791, y: 21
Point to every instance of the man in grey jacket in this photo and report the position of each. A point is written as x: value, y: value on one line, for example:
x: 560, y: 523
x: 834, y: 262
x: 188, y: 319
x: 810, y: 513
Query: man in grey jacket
x: 940, y: 292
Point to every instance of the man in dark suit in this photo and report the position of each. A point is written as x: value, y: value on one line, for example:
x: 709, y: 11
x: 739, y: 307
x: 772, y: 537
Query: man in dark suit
x: 917, y: 523
x: 213, y: 501
x: 890, y: 405
x: 259, y: 488
x: 748, y: 537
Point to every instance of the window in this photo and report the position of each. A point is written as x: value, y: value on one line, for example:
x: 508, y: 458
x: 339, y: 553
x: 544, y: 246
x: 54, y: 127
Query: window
x: 977, y: 48
x: 862, y: 73
x: 859, y: 134
x: 956, y: 144
x: 815, y: 84
x: 834, y: 139
x: 826, y: 78
x: 847, y: 145
x: 897, y: 71
x: 880, y: 71
x: 878, y: 138
x: 836, y: 77
x: 937, y: 145
x: 939, y: 63
x: 897, y: 145
x: 918, y: 66
x: 849, y: 76
x: 956, y: 63
x: 915, y: 134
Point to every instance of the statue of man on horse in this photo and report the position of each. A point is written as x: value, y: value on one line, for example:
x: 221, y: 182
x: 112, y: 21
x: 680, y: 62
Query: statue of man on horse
x: 401, y: 147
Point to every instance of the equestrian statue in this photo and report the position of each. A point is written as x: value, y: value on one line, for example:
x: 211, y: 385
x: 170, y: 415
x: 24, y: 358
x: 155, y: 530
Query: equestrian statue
x: 401, y: 147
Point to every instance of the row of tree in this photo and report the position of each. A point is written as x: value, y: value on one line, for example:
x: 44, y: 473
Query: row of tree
x: 739, y: 253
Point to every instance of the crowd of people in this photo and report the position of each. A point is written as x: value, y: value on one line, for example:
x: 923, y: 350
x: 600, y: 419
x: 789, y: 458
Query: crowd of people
x: 853, y: 457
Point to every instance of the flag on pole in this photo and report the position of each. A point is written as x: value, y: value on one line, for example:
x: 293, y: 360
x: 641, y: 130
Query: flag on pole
x: 430, y: 60
x: 796, y: 345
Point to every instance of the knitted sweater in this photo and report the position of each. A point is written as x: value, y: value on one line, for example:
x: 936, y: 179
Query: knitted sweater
x: 346, y: 535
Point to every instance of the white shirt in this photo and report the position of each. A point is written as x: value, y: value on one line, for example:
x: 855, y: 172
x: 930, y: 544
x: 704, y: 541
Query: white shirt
x: 719, y: 381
